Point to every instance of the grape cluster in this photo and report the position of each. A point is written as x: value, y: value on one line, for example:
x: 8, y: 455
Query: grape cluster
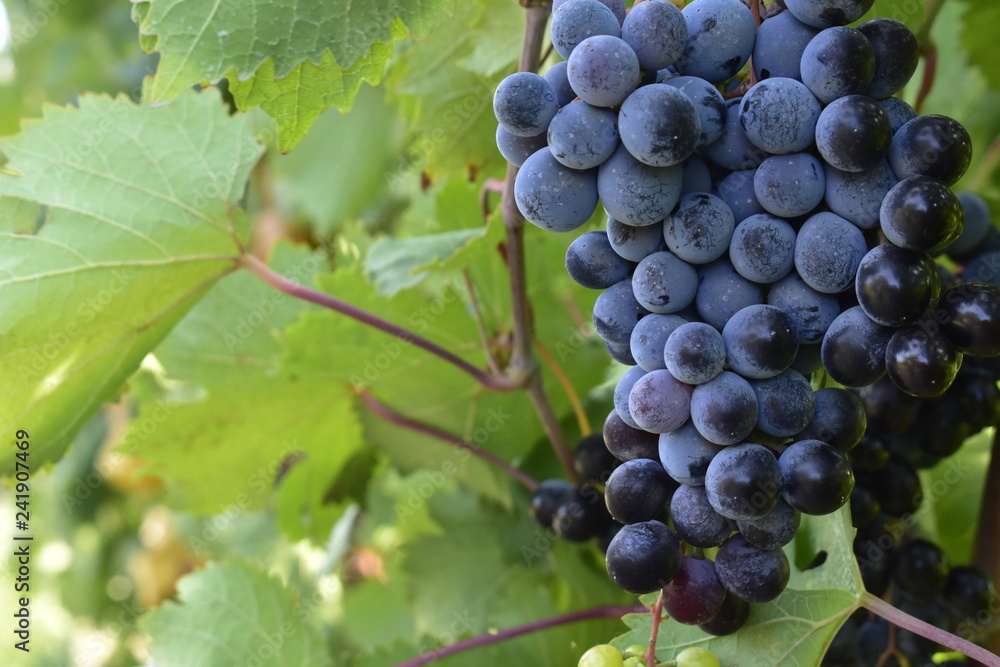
x: 751, y: 242
x: 958, y: 599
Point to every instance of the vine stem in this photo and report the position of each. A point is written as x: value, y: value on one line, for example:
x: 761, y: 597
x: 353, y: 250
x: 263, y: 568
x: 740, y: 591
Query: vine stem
x: 492, y: 382
x: 904, y: 620
x: 385, y: 413
x: 657, y: 612
x: 522, y: 359
x: 607, y: 611
x: 986, y: 555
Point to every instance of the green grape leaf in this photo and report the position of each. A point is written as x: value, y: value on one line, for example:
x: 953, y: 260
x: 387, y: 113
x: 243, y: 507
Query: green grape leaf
x: 297, y: 99
x: 136, y: 222
x: 978, y: 37
x: 393, y: 263
x: 234, y: 614
x: 292, y: 58
x: 794, y: 630
x: 248, y: 419
x: 331, y: 187
x: 449, y: 105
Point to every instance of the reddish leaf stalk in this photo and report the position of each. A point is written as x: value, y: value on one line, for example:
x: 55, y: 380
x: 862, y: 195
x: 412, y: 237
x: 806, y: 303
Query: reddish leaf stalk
x: 510, y: 633
x: 384, y: 412
x: 657, y: 613
x: 914, y: 624
x: 278, y: 281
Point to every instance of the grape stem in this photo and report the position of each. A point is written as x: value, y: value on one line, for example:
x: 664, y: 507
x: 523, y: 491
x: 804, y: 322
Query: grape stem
x: 509, y: 382
x: 607, y: 611
x: 385, y: 413
x: 914, y: 624
x: 657, y: 612
x: 928, y: 49
x: 522, y: 358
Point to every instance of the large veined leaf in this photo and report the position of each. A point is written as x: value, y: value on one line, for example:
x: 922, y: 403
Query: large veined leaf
x: 293, y: 58
x: 234, y: 614
x: 795, y: 629
x: 126, y: 216
x: 226, y: 345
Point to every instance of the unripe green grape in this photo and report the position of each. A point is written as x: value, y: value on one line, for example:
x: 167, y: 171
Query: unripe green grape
x: 602, y: 655
x: 635, y: 651
x: 635, y: 661
x: 697, y: 657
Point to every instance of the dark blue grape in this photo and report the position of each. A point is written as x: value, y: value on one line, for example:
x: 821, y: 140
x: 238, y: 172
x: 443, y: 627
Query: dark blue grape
x: 649, y: 338
x: 620, y: 352
x: 657, y: 32
x: 638, y: 490
x: 708, y: 102
x: 976, y: 214
x: 838, y: 61
x: 811, y: 311
x: 517, y: 149
x: 659, y: 125
x: 969, y: 315
x: 635, y: 193
x: 921, y: 569
x: 780, y: 42
x: 524, y: 103
x: 790, y: 185
x: 695, y: 176
x: 593, y: 263
x: 828, y: 250
x: 737, y: 190
x: 900, y: 113
x: 743, y: 482
x: 921, y: 213
x: 576, y: 20
x: 857, y: 197
x: 664, y: 283
x: 779, y: 115
x: 626, y: 442
x: 816, y: 478
x: 853, y: 133
x: 731, y: 617
x: 622, y: 391
x: 722, y: 293
x: 547, y: 498
x: 827, y: 13
x: 616, y: 313
x: 659, y: 403
x: 896, y: 55
x: 617, y: 7
x: 724, y: 410
x: 695, y: 353
x: 603, y: 70
x: 552, y: 196
x: 634, y: 243
x: 582, y: 136
x: 700, y: 229
x: 839, y: 419
x: 644, y: 557
x: 854, y: 349
x: 556, y: 76
x: 695, y: 519
x: 733, y: 150
x: 762, y: 249
x: 920, y: 362
x: 685, y: 455
x: 785, y: 404
x: 772, y: 531
x: 895, y: 286
x: 932, y: 145
x: 720, y: 39
x: 753, y: 574
x: 984, y: 268
x: 761, y: 341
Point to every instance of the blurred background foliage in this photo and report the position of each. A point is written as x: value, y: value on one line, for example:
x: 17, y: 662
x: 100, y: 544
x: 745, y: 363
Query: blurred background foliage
x: 411, y: 159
